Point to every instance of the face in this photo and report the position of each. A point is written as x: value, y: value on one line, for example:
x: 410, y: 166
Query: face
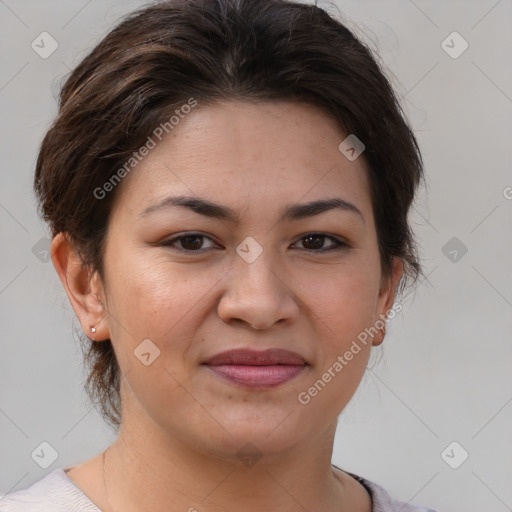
x: 195, y: 281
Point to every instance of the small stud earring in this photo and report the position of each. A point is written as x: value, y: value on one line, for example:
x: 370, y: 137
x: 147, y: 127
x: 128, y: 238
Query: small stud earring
x: 93, y: 329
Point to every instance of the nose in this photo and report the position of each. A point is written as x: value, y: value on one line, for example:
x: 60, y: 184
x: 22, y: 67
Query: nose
x: 258, y: 295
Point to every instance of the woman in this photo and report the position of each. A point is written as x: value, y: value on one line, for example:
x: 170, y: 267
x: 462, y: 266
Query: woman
x: 227, y: 184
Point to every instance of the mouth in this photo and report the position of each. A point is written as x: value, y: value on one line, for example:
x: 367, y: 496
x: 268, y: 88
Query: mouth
x: 257, y: 369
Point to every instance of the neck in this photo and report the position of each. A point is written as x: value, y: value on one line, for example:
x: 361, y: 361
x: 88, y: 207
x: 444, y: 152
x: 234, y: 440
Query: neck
x: 149, y: 468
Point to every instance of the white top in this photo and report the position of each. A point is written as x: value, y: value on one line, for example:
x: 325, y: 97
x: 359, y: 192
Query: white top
x: 56, y: 492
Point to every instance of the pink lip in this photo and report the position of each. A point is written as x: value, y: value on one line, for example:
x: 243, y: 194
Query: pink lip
x: 257, y: 369
x: 250, y: 357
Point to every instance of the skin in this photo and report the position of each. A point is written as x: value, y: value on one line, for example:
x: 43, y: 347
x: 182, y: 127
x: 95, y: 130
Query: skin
x: 183, y: 426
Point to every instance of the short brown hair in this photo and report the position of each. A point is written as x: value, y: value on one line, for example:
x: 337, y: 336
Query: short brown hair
x: 252, y: 50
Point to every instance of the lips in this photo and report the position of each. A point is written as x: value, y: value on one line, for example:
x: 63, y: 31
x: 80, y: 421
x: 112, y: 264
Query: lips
x: 257, y: 369
x: 247, y: 357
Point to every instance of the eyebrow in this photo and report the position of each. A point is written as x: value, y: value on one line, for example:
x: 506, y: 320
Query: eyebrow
x: 217, y: 211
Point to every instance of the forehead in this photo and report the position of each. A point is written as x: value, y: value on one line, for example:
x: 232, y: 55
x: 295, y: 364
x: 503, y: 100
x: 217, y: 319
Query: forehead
x: 254, y: 156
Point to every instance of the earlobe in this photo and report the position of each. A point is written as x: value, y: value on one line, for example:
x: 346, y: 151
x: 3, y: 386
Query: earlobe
x: 387, y: 294
x: 390, y: 285
x: 83, y: 287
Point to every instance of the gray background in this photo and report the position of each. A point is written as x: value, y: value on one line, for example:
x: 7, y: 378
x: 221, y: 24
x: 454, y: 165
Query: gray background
x: 443, y: 374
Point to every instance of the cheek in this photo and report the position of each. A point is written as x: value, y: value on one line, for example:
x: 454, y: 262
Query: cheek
x: 150, y: 292
x: 151, y: 298
x: 342, y: 306
x: 343, y: 298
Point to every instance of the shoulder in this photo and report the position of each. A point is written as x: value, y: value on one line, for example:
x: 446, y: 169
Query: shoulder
x: 53, y: 493
x: 382, y: 501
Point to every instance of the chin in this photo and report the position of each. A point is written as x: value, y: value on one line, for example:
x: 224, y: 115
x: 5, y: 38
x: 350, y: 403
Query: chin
x: 254, y: 439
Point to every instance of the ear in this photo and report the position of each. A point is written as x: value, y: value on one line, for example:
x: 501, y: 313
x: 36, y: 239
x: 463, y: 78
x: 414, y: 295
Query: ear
x: 387, y: 294
x: 83, y: 287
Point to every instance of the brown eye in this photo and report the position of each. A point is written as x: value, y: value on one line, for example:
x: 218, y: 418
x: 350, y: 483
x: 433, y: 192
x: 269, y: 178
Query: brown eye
x: 192, y: 242
x: 315, y: 242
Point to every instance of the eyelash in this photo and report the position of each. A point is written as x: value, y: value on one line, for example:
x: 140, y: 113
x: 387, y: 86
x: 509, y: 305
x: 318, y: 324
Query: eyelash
x: 337, y: 245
